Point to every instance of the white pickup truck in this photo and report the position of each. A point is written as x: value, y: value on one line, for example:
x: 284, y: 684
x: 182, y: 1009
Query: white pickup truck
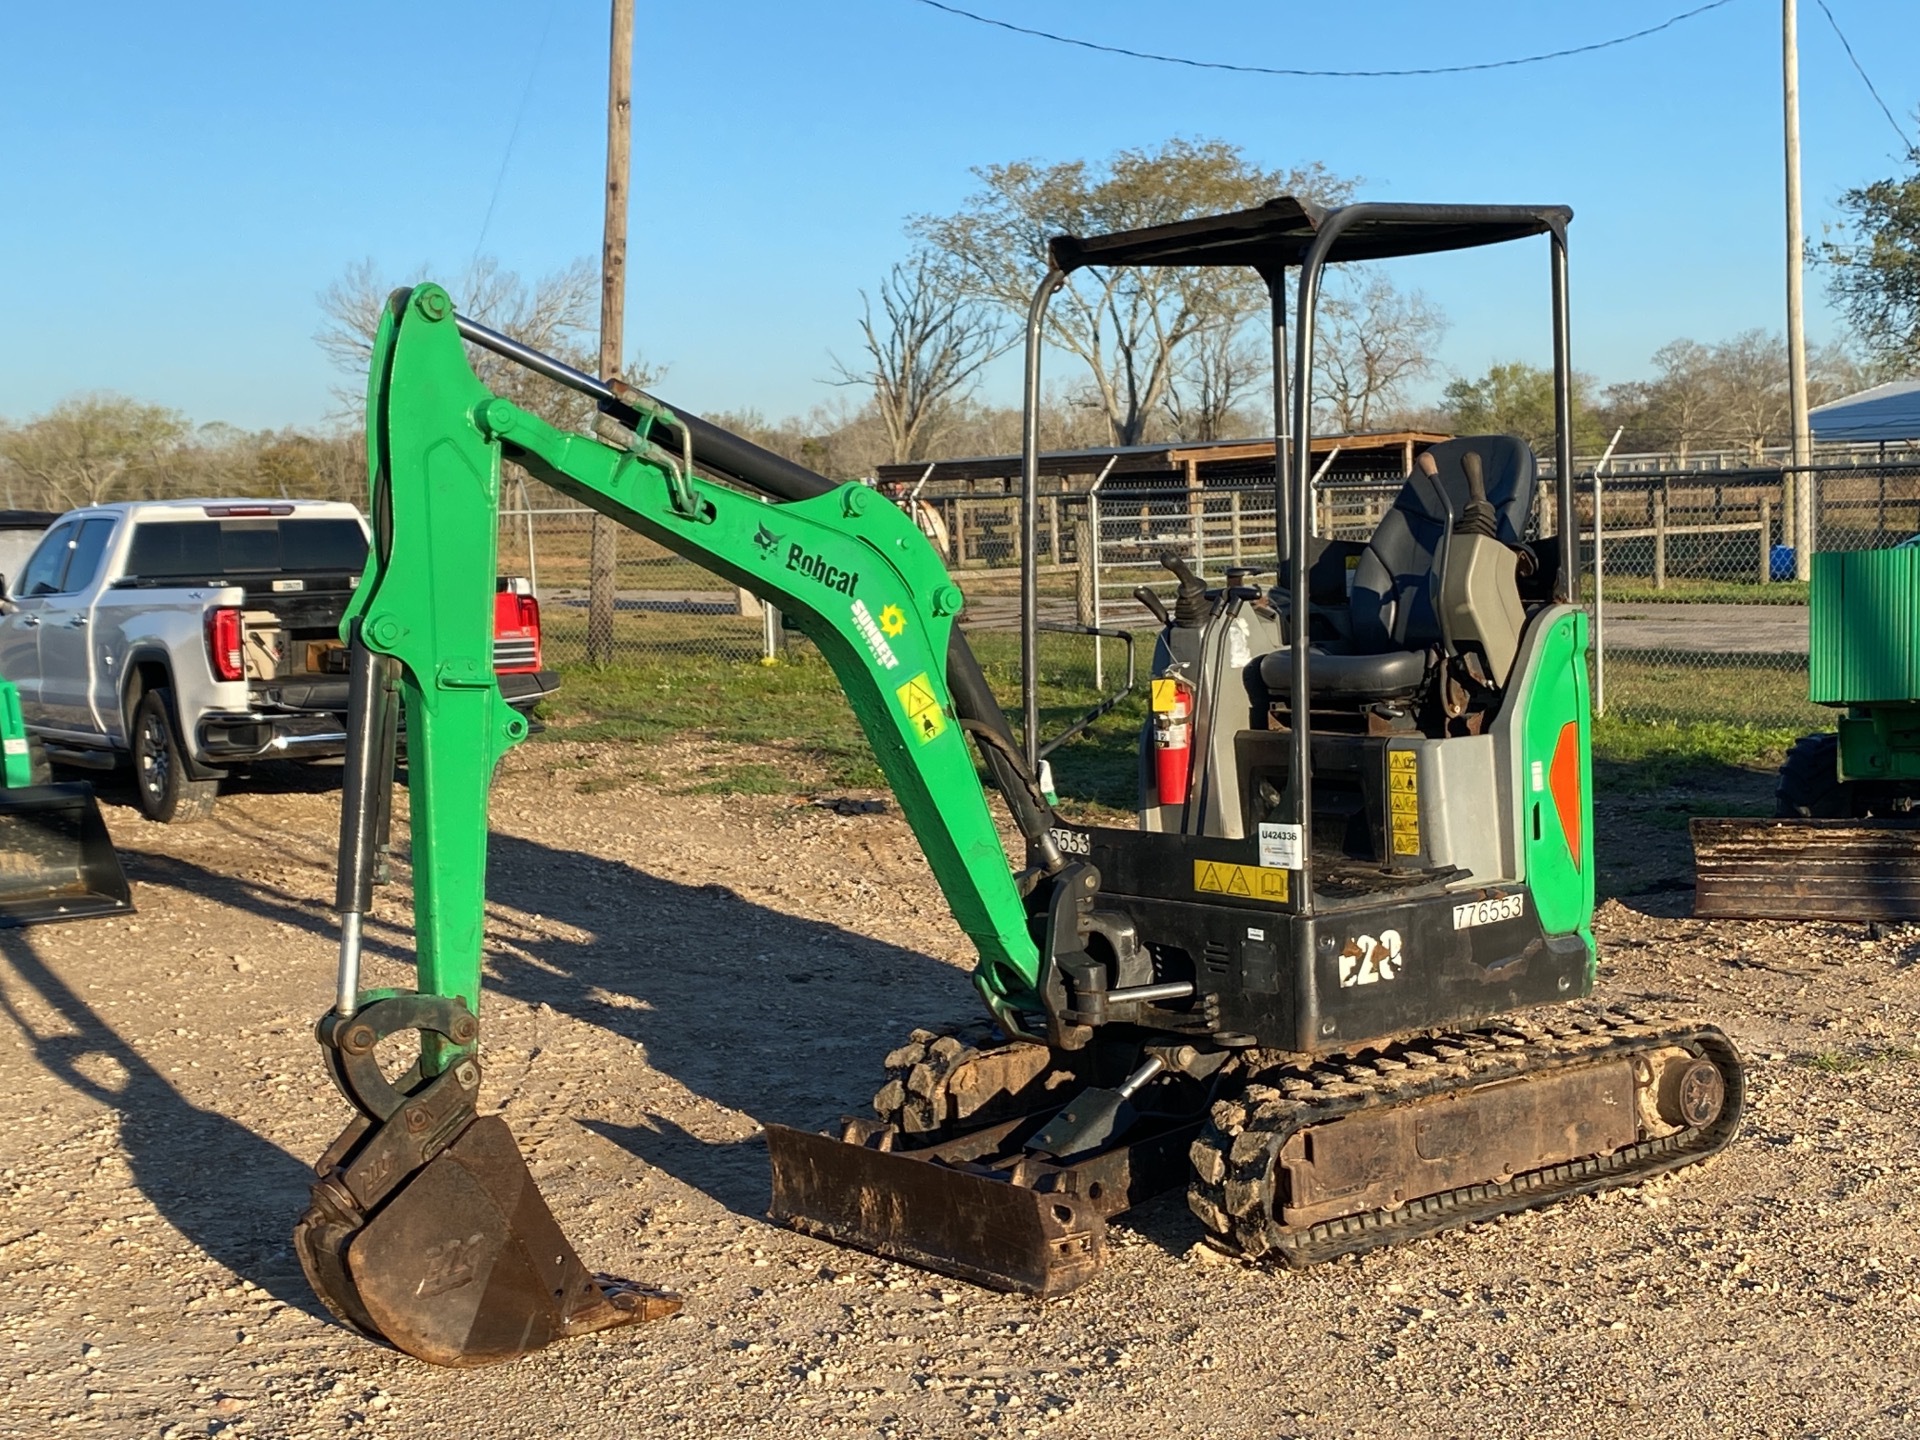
x: 192, y: 636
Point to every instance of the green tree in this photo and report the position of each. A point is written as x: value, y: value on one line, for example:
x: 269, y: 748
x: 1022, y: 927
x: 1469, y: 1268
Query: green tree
x: 1131, y: 327
x: 1515, y: 398
x: 1874, y: 269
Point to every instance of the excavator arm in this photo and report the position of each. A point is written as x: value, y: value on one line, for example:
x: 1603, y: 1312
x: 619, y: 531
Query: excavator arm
x: 851, y: 571
x: 425, y: 1228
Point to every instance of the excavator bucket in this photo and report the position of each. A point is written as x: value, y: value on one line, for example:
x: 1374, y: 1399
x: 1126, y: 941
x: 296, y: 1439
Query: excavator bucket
x: 462, y: 1264
x: 56, y: 860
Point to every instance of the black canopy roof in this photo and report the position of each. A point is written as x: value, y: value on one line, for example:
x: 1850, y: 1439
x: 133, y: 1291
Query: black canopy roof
x: 1280, y: 232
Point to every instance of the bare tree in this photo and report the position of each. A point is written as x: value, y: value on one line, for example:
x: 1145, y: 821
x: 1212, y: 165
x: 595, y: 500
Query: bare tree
x: 1220, y: 370
x: 558, y: 313
x: 924, y: 353
x: 1729, y: 394
x: 1127, y: 325
x: 1370, y: 340
x: 87, y: 448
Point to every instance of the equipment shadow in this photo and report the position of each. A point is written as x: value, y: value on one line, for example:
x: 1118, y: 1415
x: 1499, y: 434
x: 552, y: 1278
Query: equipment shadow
x: 230, y: 1192
x: 779, y: 1018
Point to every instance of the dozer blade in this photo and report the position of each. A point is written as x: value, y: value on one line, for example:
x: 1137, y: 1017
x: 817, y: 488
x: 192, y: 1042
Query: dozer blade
x: 949, y: 1218
x: 56, y: 859
x: 462, y: 1263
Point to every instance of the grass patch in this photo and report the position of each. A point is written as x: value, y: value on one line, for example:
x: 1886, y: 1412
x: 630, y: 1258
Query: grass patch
x: 1848, y: 1062
x: 1635, y: 756
x: 748, y: 779
x: 1639, y: 589
x: 797, y: 708
x: 1768, y: 693
x: 792, y: 706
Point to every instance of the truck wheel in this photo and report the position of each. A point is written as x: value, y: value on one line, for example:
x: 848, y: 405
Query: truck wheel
x: 167, y: 794
x: 1810, y: 786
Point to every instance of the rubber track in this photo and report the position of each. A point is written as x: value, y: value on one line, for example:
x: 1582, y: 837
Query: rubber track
x: 1234, y: 1169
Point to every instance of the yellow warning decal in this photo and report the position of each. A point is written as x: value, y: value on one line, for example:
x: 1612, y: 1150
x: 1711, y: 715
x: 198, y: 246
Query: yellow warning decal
x: 923, y: 708
x: 1403, y: 799
x: 1250, y: 882
x: 1165, y: 695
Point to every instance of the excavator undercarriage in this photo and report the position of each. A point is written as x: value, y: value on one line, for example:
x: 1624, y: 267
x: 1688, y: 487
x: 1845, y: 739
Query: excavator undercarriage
x: 1335, y: 981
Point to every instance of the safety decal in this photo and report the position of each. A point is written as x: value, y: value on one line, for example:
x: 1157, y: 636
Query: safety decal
x: 1489, y: 912
x: 1403, y: 801
x: 1249, y: 882
x: 1367, y: 961
x: 893, y: 620
x: 1563, y: 780
x: 877, y: 646
x: 1280, y: 846
x: 929, y: 721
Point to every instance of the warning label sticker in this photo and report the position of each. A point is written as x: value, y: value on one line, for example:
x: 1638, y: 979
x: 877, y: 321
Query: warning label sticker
x: 1249, y: 882
x: 1403, y: 801
x: 922, y: 708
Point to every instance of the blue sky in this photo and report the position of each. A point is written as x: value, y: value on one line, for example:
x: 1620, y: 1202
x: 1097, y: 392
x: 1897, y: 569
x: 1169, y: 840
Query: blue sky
x: 182, y: 181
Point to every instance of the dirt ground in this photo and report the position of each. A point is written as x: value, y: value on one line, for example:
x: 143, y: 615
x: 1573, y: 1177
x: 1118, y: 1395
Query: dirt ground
x: 669, y: 972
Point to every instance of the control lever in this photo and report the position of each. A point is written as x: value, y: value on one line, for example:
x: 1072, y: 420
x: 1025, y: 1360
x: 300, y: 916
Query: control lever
x: 1190, y: 601
x: 1478, y: 517
x: 1154, y: 603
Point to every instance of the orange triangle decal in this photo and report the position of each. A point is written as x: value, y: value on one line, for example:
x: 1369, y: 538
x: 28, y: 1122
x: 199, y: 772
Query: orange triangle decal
x: 1563, y: 779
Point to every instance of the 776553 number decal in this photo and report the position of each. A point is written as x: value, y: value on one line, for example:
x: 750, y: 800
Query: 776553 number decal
x: 1486, y: 912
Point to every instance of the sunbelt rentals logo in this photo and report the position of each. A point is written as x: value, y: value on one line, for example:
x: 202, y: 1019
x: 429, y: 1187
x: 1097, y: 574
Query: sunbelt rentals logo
x: 877, y: 645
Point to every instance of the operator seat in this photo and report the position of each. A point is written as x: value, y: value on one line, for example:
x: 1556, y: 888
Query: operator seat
x: 1392, y: 619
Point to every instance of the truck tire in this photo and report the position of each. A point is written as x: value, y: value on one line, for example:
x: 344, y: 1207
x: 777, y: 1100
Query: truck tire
x: 167, y: 793
x: 1810, y: 787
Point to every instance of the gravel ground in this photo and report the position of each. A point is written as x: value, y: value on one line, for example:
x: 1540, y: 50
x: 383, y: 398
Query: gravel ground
x: 671, y: 971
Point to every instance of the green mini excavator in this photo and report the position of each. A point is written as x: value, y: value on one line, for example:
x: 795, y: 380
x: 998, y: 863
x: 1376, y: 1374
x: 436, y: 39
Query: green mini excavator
x: 1319, y: 984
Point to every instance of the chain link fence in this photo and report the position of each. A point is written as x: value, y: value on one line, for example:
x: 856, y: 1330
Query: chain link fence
x: 673, y: 618
x: 1689, y: 577
x: 1700, y: 616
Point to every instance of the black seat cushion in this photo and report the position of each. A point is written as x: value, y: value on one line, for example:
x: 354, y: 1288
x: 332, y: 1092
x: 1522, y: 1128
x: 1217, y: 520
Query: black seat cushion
x: 1348, y: 679
x: 1395, y: 580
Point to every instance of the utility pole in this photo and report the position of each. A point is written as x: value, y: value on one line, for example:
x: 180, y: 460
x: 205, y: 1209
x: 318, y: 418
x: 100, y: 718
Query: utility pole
x: 1802, y: 487
x: 604, y: 554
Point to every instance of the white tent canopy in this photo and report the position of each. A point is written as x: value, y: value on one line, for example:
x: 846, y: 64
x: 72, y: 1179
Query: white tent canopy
x: 1886, y: 412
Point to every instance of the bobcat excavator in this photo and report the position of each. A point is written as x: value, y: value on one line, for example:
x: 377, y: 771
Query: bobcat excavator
x: 1319, y: 984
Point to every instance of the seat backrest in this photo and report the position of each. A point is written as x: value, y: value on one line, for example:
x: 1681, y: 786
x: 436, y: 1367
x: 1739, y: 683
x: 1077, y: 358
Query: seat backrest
x: 1395, y: 582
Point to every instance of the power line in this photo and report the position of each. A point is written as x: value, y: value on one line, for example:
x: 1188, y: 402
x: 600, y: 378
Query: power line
x: 1667, y: 24
x: 1905, y: 143
x: 513, y: 136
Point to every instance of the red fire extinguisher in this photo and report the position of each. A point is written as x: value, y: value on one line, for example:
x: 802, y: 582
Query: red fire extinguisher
x: 1172, y: 738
